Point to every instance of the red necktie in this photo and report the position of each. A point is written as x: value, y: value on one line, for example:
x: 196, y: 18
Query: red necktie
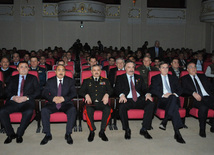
x: 58, y: 106
x: 134, y: 93
x: 22, y: 86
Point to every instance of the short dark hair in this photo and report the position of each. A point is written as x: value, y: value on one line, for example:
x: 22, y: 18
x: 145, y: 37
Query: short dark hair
x: 174, y: 59
x: 97, y: 65
x: 4, y: 57
x: 191, y: 62
x: 22, y: 62
x: 129, y: 61
x: 112, y: 58
x: 60, y: 65
x: 162, y: 63
x: 34, y: 57
x: 92, y: 58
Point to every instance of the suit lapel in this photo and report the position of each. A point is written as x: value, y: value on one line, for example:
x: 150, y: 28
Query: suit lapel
x: 55, y: 86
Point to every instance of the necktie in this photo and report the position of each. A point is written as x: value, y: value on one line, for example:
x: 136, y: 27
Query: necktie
x: 95, y: 79
x: 166, y: 85
x: 22, y: 86
x: 198, y: 89
x: 134, y: 93
x: 58, y: 106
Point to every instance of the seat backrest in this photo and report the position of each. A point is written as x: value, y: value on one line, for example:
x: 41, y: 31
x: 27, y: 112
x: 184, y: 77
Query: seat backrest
x: 84, y: 67
x: 205, y: 65
x: 51, y: 74
x: 35, y: 73
x: 87, y: 74
x: 70, y: 63
x: 70, y: 68
x: 1, y: 77
x: 105, y: 63
x: 123, y: 72
x: 43, y: 66
x: 183, y: 73
x: 153, y: 73
x: 138, y: 63
x: 51, y: 61
x: 13, y: 66
x: 113, y: 66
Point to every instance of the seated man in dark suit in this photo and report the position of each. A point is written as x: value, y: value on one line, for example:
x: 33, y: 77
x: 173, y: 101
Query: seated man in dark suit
x: 6, y: 70
x: 111, y: 62
x: 92, y: 62
x: 182, y: 61
x: 59, y: 92
x: 21, y: 92
x: 1, y: 89
x: 131, y: 89
x: 42, y: 61
x: 120, y: 63
x: 15, y: 59
x: 167, y: 88
x: 198, y: 86
x: 34, y: 62
x: 175, y: 68
x: 96, y: 91
x: 146, y: 68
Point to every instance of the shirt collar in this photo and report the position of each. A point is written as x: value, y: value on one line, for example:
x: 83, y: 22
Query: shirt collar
x: 20, y: 76
x: 4, y: 69
x: 60, y: 79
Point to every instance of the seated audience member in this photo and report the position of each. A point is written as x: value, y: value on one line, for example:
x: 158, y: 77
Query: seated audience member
x: 145, y: 68
x: 182, y: 61
x: 132, y: 58
x: 111, y: 62
x: 34, y: 62
x: 50, y: 55
x: 42, y: 61
x: 96, y: 91
x: 131, y: 90
x: 61, y: 62
x: 65, y: 59
x: 92, y: 62
x: 6, y: 70
x: 1, y: 89
x: 33, y: 54
x: 69, y: 56
x: 21, y: 93
x: 156, y: 62
x: 55, y: 55
x: 27, y: 58
x: 15, y: 59
x: 144, y: 47
x: 120, y: 63
x: 198, y: 86
x: 199, y: 62
x: 175, y: 68
x: 147, y: 54
x: 139, y: 55
x: 210, y: 69
x: 87, y: 59
x: 167, y: 88
x: 169, y: 57
x: 59, y: 92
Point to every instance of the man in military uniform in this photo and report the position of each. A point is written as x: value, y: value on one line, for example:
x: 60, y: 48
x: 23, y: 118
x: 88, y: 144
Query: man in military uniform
x: 34, y: 62
x: 145, y: 68
x: 96, y: 91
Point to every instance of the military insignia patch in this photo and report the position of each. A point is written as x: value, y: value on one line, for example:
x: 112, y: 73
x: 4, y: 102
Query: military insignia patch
x: 102, y: 83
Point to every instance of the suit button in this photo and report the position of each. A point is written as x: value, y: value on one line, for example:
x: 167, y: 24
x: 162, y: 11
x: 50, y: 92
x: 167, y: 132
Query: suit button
x: 95, y: 94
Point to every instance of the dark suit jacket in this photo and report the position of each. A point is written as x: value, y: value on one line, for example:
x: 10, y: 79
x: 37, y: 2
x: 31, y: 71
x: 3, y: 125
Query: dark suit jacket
x: 106, y: 68
x: 7, y: 74
x: 152, y: 53
x: 122, y: 85
x: 181, y: 64
x: 68, y: 90
x: 96, y: 90
x: 1, y: 89
x: 31, y: 87
x: 42, y: 75
x: 189, y: 87
x: 156, y: 87
x: 12, y: 63
x: 173, y: 72
x: 112, y: 76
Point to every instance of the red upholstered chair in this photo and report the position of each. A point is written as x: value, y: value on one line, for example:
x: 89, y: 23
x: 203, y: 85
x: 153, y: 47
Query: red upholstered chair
x: 105, y: 63
x: 205, y: 65
x: 70, y: 63
x: 113, y: 66
x: 50, y: 61
x: 13, y: 66
x: 43, y: 66
x: 138, y: 63
x: 70, y: 68
x: 160, y: 113
x: 194, y: 111
x: 84, y: 67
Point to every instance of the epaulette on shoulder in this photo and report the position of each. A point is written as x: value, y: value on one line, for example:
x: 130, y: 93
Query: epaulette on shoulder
x: 103, y: 77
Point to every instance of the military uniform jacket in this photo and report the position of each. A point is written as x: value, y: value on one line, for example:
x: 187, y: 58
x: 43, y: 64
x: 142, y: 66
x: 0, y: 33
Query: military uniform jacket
x: 96, y: 89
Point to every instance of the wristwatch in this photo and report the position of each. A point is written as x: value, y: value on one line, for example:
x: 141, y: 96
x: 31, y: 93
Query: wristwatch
x: 27, y: 98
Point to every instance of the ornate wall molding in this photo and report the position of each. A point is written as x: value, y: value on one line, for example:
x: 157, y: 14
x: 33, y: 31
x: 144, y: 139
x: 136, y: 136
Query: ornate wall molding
x: 113, y: 11
x: 50, y: 9
x: 27, y: 11
x: 166, y: 15
x: 81, y: 10
x: 134, y: 13
x: 6, y: 10
x: 207, y: 11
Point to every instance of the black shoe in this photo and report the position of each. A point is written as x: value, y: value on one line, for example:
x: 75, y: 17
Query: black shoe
x: 19, y: 139
x: 212, y: 129
x: 9, y: 139
x: 91, y: 136
x: 202, y: 133
x: 45, y: 140
x: 102, y: 135
x: 179, y: 138
x: 68, y: 138
x: 128, y: 134
x: 162, y: 127
x: 145, y: 134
